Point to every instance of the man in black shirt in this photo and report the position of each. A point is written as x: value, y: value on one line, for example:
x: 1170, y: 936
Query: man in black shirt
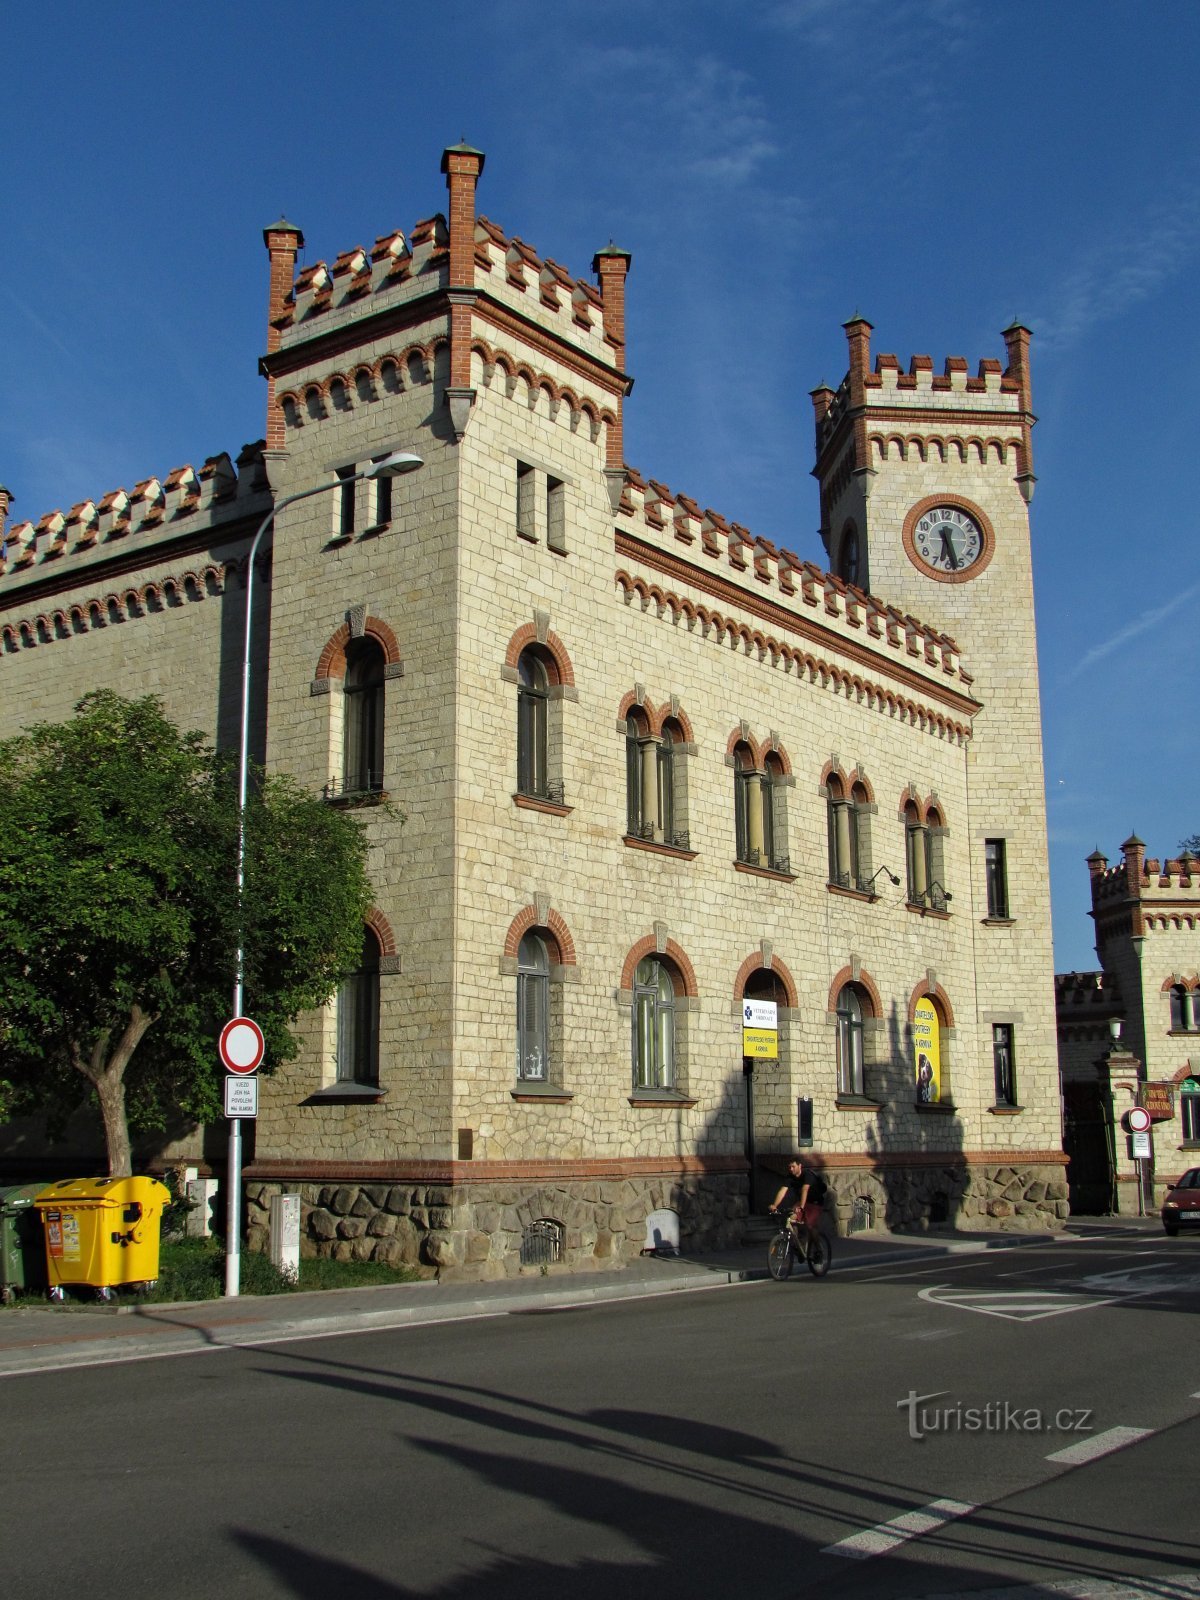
x: 804, y: 1192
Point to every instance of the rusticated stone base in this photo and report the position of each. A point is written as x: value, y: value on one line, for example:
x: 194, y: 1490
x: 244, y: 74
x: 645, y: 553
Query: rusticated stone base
x: 1014, y: 1198
x: 476, y: 1230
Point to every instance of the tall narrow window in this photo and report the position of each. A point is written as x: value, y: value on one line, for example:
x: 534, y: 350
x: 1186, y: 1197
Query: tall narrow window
x: 667, y: 780
x: 1189, y: 1110
x: 525, y: 504
x: 747, y: 803
x: 850, y: 1075
x: 640, y: 777
x: 653, y: 1026
x: 937, y: 896
x: 358, y: 1018
x: 842, y: 836
x: 1183, y: 1009
x: 995, y: 867
x: 383, y: 500
x: 362, y: 745
x: 533, y: 1008
x: 1004, y: 1064
x: 532, y: 717
x: 347, y: 484
x: 556, y: 515
x: 774, y: 806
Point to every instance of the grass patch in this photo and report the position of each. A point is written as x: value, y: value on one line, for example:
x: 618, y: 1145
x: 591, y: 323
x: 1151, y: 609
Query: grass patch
x: 194, y: 1269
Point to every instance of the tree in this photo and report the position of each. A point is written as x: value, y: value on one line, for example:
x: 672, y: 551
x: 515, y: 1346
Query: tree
x: 1190, y: 845
x: 119, y: 915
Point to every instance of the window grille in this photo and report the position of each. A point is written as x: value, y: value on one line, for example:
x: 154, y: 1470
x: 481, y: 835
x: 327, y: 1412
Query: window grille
x: 542, y: 1243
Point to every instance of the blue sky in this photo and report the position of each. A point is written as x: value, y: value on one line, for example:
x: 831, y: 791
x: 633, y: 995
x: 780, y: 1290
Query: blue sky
x: 939, y: 166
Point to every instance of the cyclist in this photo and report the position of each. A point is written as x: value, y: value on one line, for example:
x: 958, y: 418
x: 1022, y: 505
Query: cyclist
x: 804, y: 1192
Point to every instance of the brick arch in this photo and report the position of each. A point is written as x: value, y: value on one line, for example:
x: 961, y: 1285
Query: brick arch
x: 553, y: 924
x: 859, y: 778
x: 649, y: 947
x: 629, y: 701
x: 771, y: 747
x: 1178, y: 981
x: 940, y: 998
x: 553, y: 646
x: 910, y: 797
x: 665, y: 714
x: 832, y: 769
x: 333, y: 658
x: 738, y: 737
x: 1184, y: 1072
x: 753, y: 964
x: 382, y: 929
x: 864, y: 981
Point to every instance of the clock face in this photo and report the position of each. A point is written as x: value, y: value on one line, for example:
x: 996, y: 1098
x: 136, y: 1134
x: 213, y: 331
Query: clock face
x: 947, y: 539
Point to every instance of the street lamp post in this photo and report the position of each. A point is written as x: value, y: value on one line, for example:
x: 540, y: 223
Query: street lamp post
x: 392, y: 465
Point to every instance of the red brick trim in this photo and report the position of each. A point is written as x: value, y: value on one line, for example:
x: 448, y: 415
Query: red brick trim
x: 452, y: 1173
x: 985, y: 527
x: 753, y: 964
x: 560, y: 934
x: 382, y: 929
x: 552, y: 646
x: 864, y: 981
x: 940, y: 998
x: 1184, y: 1072
x: 1179, y: 983
x: 672, y: 952
x: 333, y: 658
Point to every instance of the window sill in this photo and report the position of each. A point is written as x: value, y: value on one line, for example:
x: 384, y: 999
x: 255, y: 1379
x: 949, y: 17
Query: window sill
x: 660, y: 1097
x: 356, y: 799
x: 764, y: 872
x: 852, y: 894
x: 927, y: 911
x: 658, y: 848
x: 374, y: 530
x: 936, y: 1108
x: 1183, y: 1033
x: 857, y: 1102
x: 1005, y: 1111
x: 998, y: 922
x: 531, y: 802
x: 1190, y: 1144
x: 530, y: 1091
x: 346, y: 1094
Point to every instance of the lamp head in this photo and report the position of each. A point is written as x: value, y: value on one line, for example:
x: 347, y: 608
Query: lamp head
x: 394, y: 465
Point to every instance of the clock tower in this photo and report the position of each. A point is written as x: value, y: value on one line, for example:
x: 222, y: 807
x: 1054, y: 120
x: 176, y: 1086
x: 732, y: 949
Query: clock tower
x: 926, y: 480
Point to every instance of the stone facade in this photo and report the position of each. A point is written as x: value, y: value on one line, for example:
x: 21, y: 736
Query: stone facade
x: 1129, y: 1034
x: 837, y: 765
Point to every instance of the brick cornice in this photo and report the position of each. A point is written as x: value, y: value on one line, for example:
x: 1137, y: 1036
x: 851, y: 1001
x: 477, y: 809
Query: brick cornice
x: 466, y: 1172
x: 627, y: 544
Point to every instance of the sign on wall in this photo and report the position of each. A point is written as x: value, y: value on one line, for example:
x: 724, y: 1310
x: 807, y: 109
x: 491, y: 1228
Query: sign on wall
x: 1158, y: 1100
x: 927, y: 1052
x: 760, y: 1029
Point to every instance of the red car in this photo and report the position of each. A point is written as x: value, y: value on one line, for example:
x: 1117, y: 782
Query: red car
x: 1181, y: 1208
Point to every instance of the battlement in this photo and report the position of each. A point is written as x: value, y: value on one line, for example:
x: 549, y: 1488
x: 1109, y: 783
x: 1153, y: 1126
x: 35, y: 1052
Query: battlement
x: 1081, y: 996
x: 994, y: 404
x: 672, y: 533
x: 157, y: 511
x: 1141, y: 877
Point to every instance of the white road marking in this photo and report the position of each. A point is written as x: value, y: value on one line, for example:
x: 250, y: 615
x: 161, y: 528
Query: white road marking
x: 1100, y: 1444
x: 885, y: 1536
x: 1013, y: 1305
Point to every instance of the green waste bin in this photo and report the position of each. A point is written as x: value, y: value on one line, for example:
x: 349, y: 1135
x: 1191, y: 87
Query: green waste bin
x: 102, y: 1233
x: 22, y: 1243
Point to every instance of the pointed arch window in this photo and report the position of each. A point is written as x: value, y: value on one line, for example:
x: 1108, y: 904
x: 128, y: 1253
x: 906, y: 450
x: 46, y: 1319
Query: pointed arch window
x: 362, y: 734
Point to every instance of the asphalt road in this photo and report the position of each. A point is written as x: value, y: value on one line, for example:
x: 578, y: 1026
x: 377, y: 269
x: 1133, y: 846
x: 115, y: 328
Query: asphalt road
x: 757, y: 1438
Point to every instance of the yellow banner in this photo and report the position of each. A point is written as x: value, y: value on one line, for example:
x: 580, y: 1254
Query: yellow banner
x: 762, y: 1043
x: 927, y: 1052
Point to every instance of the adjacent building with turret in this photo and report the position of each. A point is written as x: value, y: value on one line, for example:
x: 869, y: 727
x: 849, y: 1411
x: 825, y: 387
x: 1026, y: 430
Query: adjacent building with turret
x: 695, y: 849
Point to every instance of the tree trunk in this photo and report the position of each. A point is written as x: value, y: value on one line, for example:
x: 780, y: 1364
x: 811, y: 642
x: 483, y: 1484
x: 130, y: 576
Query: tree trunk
x: 107, y: 1077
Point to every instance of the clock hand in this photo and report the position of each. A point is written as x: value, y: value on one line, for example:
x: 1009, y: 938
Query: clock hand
x: 948, y: 547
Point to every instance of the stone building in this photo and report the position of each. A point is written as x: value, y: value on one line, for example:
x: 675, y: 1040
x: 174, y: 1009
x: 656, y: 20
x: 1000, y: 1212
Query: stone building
x: 1129, y: 1034
x: 652, y: 767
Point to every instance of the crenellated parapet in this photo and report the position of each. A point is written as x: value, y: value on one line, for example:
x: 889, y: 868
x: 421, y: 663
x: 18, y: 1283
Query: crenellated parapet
x: 1143, y: 893
x: 128, y: 529
x: 702, y: 570
x: 1085, y: 1004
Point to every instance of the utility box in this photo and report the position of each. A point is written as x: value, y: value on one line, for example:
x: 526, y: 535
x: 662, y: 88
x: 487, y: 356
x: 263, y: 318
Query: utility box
x: 201, y: 1192
x: 102, y: 1233
x: 285, y: 1235
x: 22, y: 1241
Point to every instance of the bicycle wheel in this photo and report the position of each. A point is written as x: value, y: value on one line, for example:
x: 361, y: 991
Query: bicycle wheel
x: 779, y: 1256
x: 818, y: 1255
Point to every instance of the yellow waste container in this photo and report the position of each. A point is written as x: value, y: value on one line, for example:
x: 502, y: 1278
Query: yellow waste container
x: 102, y: 1232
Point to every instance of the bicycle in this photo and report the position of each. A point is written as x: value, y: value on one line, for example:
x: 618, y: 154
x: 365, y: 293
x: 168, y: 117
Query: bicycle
x: 815, y: 1250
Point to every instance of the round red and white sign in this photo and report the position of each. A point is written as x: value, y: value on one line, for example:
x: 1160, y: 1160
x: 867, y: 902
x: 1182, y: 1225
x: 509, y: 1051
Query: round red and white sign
x: 241, y: 1045
x: 1139, y: 1119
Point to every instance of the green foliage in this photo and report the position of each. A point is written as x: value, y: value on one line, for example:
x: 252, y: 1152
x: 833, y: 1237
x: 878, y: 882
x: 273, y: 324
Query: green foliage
x: 1190, y: 845
x: 119, y: 915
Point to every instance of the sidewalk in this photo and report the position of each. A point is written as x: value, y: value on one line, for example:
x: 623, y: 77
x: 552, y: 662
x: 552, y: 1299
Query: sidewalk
x: 77, y: 1335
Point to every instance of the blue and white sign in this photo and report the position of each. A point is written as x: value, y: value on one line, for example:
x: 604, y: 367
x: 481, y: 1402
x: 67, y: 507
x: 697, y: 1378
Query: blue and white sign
x: 760, y: 1014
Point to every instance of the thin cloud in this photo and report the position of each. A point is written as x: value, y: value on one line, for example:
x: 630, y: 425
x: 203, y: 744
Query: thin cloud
x: 44, y: 328
x: 1151, y: 618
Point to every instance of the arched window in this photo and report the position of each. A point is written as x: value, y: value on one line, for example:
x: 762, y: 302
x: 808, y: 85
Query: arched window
x: 533, y: 698
x: 850, y: 1074
x: 916, y: 855
x: 1183, y: 1009
x: 641, y: 797
x: 671, y: 817
x: 843, y: 837
x: 747, y: 806
x: 653, y: 1025
x: 774, y: 805
x: 362, y: 734
x: 533, y: 1008
x: 358, y: 1017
